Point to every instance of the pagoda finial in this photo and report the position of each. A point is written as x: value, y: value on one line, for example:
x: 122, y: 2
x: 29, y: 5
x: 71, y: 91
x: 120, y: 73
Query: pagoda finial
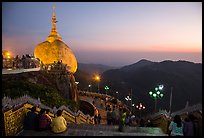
x: 54, y: 21
x: 53, y: 34
x: 54, y: 7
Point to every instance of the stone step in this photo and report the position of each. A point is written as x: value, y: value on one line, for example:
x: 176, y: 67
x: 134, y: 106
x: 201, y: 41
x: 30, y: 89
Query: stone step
x: 98, y: 130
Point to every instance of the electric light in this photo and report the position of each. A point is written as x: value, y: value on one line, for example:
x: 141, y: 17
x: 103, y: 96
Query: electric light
x: 97, y: 78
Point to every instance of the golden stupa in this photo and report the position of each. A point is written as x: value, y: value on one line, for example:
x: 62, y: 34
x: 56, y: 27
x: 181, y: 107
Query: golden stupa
x: 54, y: 49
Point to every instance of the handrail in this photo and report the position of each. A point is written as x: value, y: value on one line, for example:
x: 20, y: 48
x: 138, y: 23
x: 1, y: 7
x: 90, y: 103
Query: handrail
x: 14, y: 117
x: 8, y: 103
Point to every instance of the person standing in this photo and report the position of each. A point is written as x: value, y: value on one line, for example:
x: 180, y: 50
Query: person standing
x: 99, y: 119
x: 188, y: 129
x: 123, y: 115
x: 95, y: 119
x: 142, y: 122
x: 109, y: 117
x: 194, y: 120
x: 176, y: 126
x: 113, y: 116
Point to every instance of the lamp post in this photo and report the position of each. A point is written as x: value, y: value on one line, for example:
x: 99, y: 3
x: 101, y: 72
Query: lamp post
x: 156, y: 93
x: 89, y: 87
x: 117, y: 94
x: 97, y: 78
x: 106, y: 88
x: 140, y: 107
x: 129, y: 99
x: 170, y: 102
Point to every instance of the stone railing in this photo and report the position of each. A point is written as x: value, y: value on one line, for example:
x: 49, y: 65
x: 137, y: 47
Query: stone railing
x: 93, y: 94
x: 8, y: 103
x: 189, y: 109
x: 161, y: 112
x: 14, y: 111
x: 162, y: 118
x: 162, y: 122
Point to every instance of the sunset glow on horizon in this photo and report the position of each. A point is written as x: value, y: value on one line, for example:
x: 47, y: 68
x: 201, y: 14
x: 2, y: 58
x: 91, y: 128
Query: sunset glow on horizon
x: 110, y: 33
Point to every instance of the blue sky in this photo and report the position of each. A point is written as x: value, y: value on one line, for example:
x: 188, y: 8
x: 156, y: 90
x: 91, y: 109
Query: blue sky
x: 108, y: 33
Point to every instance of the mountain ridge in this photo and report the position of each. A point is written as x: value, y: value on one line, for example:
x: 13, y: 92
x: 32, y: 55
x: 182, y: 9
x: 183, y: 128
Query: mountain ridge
x: 94, y: 68
x: 183, y: 76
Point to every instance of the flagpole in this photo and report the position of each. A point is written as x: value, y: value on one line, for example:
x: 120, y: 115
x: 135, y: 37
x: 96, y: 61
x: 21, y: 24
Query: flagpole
x: 131, y: 99
x: 170, y: 102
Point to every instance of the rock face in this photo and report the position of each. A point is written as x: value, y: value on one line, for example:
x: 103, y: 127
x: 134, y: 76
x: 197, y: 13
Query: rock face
x: 59, y: 82
x: 63, y: 85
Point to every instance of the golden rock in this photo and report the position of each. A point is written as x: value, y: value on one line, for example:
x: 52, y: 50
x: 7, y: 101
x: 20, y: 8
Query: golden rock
x: 54, y: 49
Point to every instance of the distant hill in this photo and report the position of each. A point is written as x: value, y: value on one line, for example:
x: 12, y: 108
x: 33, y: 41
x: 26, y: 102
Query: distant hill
x: 185, y: 78
x: 138, y: 65
x: 85, y: 75
x: 94, y: 68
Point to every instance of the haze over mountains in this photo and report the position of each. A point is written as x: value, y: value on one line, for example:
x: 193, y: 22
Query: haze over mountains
x: 184, y: 77
x: 94, y: 68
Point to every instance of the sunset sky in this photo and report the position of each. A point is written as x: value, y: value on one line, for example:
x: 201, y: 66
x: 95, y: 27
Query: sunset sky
x: 114, y: 34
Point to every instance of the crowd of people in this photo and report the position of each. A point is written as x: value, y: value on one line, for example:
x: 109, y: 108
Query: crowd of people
x: 187, y: 127
x: 55, y: 66
x: 26, y: 61
x: 42, y: 121
x: 123, y: 117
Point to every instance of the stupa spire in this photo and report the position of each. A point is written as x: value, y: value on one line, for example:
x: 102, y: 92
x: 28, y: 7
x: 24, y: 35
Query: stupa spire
x: 53, y: 34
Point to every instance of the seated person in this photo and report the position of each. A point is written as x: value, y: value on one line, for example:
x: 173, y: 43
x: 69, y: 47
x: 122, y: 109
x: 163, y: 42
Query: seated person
x: 59, y: 124
x: 44, y: 121
x: 29, y: 122
x: 47, y: 113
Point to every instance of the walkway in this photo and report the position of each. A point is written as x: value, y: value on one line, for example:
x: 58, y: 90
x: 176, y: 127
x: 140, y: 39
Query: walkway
x: 15, y: 71
x: 98, y: 130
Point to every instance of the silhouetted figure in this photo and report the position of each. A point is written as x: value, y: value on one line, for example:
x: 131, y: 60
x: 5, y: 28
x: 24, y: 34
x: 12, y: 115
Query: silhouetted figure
x: 142, y: 123
x: 37, y: 118
x: 95, y: 119
x: 23, y: 61
x: 188, y: 128
x: 194, y: 120
x: 113, y: 116
x: 99, y: 119
x: 17, y: 61
x: 29, y: 122
x: 176, y: 126
x: 109, y: 118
